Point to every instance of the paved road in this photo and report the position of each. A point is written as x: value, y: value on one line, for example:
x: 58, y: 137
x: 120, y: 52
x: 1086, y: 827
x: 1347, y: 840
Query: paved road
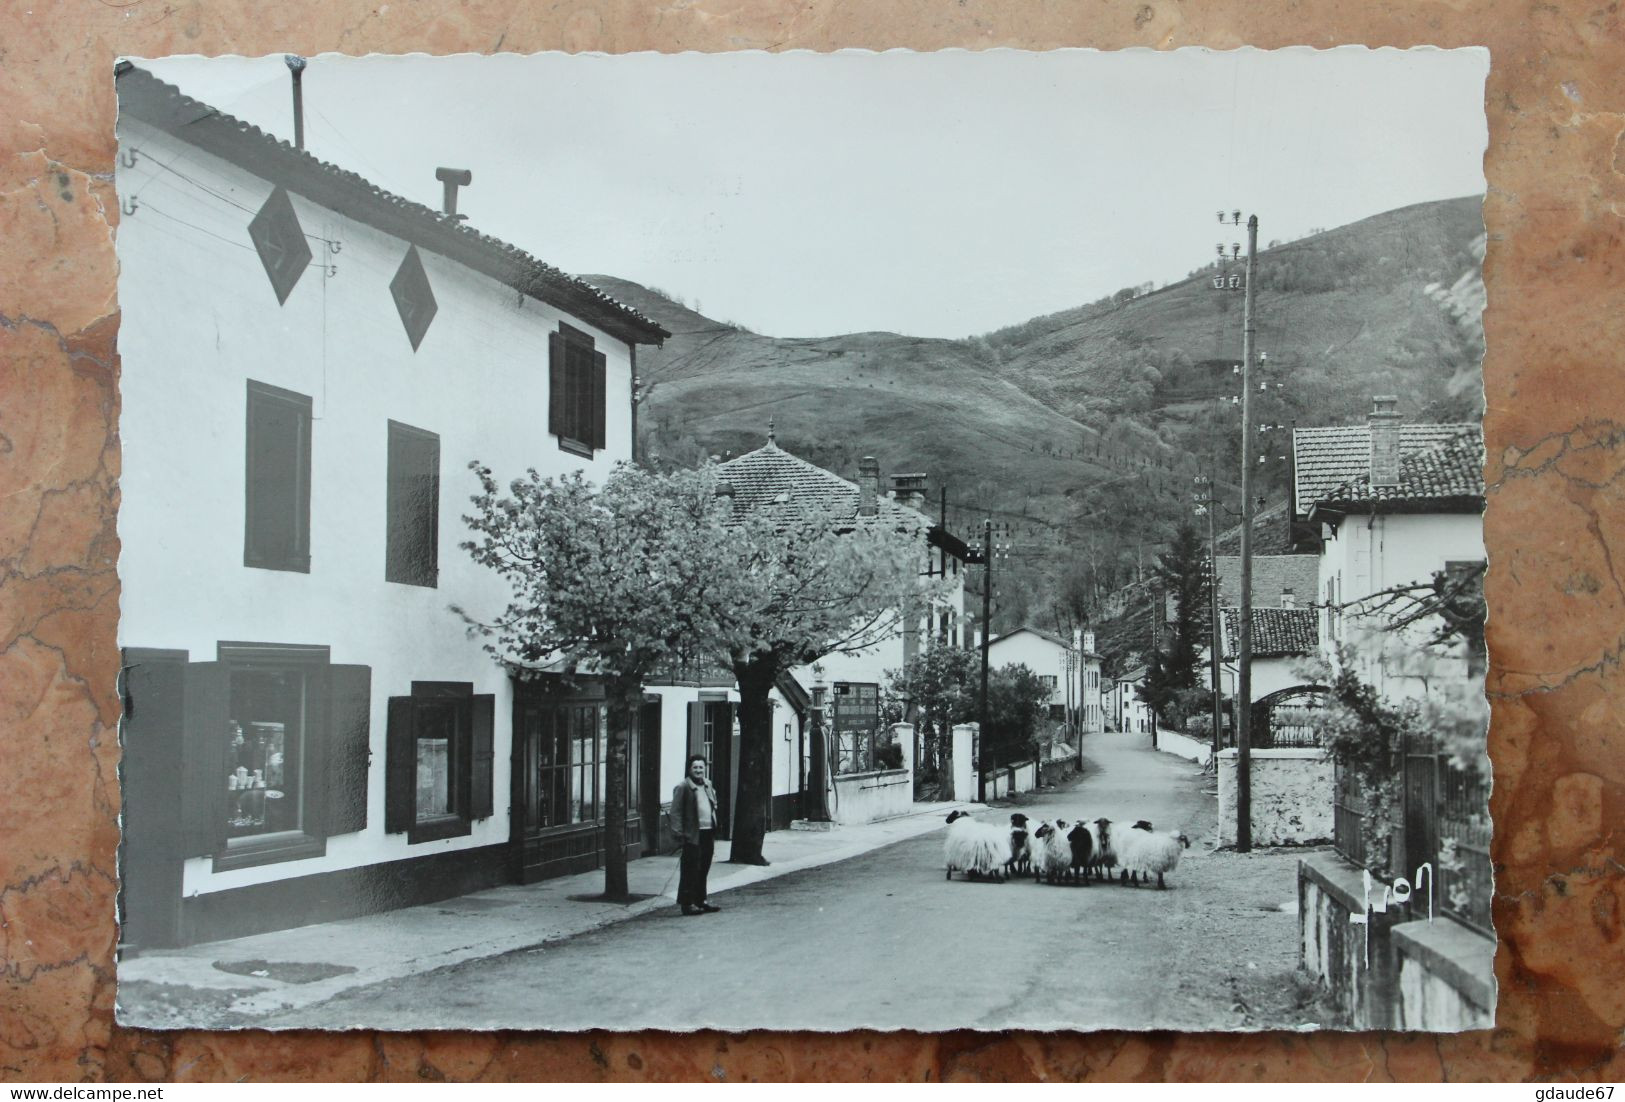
x: 884, y: 941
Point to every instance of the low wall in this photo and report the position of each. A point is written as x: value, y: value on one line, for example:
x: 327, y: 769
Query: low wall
x: 1292, y: 797
x: 1183, y: 746
x: 866, y: 797
x: 1446, y: 977
x: 1352, y: 961
x: 964, y: 762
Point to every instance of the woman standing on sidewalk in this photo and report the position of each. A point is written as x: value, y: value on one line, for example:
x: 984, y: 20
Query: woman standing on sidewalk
x: 693, y: 821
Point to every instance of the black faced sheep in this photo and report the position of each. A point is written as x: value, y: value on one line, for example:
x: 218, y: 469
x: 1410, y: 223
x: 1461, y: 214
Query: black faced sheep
x: 1144, y: 852
x: 976, y: 849
x: 1082, y: 844
x: 1052, y: 853
x: 1105, y: 855
x: 1020, y: 846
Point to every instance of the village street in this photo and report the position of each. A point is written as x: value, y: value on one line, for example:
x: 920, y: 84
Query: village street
x: 883, y: 940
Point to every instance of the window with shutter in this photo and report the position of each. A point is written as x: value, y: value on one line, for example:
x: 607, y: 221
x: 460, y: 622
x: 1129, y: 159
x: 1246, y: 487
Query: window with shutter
x: 577, y: 382
x: 437, y: 773
x: 276, y: 529
x: 412, y: 507
x: 260, y: 724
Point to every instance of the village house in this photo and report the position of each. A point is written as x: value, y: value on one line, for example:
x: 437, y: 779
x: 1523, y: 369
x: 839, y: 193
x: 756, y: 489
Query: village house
x: 1128, y: 712
x: 872, y: 770
x: 1050, y: 657
x: 309, y: 365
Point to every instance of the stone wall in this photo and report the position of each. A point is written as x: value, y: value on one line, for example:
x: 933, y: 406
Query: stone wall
x: 1446, y: 977
x: 1292, y: 797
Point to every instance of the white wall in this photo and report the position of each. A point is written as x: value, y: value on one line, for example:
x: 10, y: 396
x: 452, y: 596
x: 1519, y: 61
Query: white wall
x: 199, y: 320
x: 1371, y: 554
x: 1036, y: 653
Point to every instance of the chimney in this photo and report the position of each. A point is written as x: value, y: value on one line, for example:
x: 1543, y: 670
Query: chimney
x: 452, y: 179
x: 725, y: 494
x: 296, y: 66
x: 910, y: 490
x: 1088, y: 642
x: 868, y: 486
x: 1384, y: 441
x: 1288, y: 598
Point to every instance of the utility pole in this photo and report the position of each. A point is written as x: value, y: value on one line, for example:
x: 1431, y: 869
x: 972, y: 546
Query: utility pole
x: 987, y: 601
x: 1244, y: 657
x: 1215, y: 627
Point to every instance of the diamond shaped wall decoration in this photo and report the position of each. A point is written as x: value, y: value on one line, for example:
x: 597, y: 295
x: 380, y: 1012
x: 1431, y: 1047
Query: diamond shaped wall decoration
x: 414, y: 298
x: 280, y: 240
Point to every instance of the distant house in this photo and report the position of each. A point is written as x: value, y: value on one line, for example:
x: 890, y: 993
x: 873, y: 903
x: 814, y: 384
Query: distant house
x: 1282, y: 638
x: 1049, y: 657
x: 309, y: 363
x: 871, y: 776
x: 1128, y: 711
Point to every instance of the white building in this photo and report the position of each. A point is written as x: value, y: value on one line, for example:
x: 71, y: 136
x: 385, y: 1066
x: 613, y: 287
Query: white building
x: 1395, y: 504
x: 1049, y: 657
x: 1128, y: 711
x: 309, y: 364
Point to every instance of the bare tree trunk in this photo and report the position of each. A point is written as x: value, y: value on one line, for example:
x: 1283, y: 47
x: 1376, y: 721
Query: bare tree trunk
x: 755, y: 791
x: 621, y: 705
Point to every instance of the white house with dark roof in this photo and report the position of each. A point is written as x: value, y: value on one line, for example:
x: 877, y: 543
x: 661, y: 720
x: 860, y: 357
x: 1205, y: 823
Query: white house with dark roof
x: 1394, y: 504
x: 309, y: 364
x: 1282, y: 639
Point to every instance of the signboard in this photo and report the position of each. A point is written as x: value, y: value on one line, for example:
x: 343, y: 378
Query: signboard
x: 855, y: 718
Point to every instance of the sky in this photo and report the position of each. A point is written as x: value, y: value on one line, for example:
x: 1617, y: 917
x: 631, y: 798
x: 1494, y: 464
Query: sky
x: 932, y: 194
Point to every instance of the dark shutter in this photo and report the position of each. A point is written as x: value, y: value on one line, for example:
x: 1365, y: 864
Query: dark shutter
x: 349, y: 748
x: 558, y: 407
x: 277, y: 479
x: 400, y: 768
x: 412, y: 507
x: 599, y: 400
x: 154, y: 697
x: 203, y: 766
x: 696, y: 730
x: 485, y: 706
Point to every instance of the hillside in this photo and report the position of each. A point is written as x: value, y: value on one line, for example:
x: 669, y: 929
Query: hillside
x: 1082, y: 429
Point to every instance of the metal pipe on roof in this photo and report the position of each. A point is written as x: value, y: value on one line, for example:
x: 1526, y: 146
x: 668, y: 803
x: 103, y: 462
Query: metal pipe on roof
x: 296, y: 66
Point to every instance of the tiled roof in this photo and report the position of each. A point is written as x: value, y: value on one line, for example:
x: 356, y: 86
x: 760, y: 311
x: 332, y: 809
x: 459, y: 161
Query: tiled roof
x: 145, y: 97
x: 1277, y: 632
x: 1450, y: 473
x: 771, y: 476
x: 1326, y: 457
x: 1270, y: 535
x: 1272, y: 576
x: 1048, y: 637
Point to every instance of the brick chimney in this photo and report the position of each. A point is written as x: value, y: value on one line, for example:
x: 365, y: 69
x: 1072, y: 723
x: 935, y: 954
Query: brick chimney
x: 868, y: 486
x: 1384, y: 421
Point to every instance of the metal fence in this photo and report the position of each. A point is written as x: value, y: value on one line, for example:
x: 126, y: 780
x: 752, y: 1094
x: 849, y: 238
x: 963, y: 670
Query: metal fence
x: 1349, y: 815
x: 1466, y: 877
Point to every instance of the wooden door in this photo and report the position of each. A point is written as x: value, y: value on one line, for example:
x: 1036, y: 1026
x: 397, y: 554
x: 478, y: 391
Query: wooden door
x: 649, y: 791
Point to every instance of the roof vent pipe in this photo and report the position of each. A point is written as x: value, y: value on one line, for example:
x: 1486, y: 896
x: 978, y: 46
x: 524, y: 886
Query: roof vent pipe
x: 296, y: 66
x: 453, y: 178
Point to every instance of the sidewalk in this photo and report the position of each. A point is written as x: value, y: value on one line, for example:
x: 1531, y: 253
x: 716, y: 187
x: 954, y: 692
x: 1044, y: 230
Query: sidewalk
x: 226, y: 983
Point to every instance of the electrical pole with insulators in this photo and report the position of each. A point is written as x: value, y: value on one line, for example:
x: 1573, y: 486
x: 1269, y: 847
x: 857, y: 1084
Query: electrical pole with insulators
x: 1244, y: 656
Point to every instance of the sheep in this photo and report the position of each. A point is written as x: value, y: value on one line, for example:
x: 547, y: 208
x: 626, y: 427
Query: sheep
x: 1020, y: 846
x: 1144, y: 851
x: 1105, y: 849
x: 1082, y: 844
x: 974, y: 848
x: 1052, y: 853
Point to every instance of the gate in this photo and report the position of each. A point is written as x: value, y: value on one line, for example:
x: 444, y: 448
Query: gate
x: 1288, y: 718
x: 1421, y: 811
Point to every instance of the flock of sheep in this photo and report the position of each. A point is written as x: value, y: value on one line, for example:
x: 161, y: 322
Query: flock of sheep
x: 1058, y: 852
